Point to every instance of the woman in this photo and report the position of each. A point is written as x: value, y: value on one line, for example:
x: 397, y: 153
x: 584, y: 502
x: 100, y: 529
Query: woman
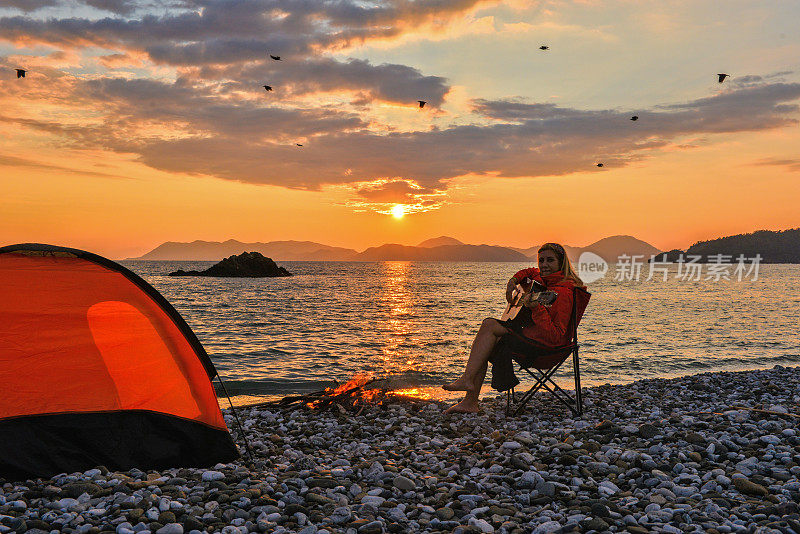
x: 539, y: 324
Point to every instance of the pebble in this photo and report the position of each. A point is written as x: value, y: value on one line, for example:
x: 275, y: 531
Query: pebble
x: 750, y: 488
x: 608, y: 488
x: 404, y: 483
x: 212, y: 475
x: 372, y: 499
x: 481, y: 524
x: 445, y: 514
x: 651, y: 456
x: 647, y: 430
x: 373, y: 527
x: 171, y: 528
x: 549, y: 526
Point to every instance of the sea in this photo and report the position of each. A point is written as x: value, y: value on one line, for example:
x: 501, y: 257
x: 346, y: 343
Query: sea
x: 410, y: 324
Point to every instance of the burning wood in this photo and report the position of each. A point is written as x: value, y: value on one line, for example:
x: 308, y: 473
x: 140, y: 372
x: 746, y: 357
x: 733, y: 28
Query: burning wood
x: 352, y: 396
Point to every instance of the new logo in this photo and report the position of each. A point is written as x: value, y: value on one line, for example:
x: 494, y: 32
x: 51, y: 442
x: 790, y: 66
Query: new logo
x: 591, y: 267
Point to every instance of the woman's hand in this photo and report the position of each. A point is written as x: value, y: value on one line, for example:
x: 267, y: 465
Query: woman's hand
x: 512, y: 284
x: 529, y: 301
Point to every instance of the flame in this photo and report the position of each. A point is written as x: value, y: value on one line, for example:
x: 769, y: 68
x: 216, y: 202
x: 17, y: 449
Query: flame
x: 357, y: 381
x: 351, y: 393
x: 412, y: 392
x: 350, y: 387
x: 368, y: 394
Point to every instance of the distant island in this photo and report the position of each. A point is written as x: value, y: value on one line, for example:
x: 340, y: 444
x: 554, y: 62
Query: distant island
x: 781, y: 246
x: 245, y: 265
x: 441, y: 248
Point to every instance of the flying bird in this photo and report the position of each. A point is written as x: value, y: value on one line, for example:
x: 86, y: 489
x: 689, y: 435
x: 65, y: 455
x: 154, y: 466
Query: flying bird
x: 276, y: 58
x: 422, y: 103
x: 635, y: 118
x: 21, y: 73
x: 298, y: 144
x: 722, y: 77
x: 268, y: 87
x: 599, y: 164
x: 544, y: 47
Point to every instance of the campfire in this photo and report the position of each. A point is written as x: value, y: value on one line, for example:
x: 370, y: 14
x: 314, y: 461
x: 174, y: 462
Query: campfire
x: 354, y: 396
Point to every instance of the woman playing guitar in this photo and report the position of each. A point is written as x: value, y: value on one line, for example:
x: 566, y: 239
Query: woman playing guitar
x: 543, y: 318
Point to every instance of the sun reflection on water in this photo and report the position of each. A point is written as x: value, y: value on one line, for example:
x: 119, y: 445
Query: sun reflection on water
x: 401, y: 333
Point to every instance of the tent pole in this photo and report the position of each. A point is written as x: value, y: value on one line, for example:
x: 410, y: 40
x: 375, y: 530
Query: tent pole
x: 236, y: 416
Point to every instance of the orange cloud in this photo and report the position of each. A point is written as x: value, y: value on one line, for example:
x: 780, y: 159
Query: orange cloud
x: 123, y: 60
x: 382, y: 195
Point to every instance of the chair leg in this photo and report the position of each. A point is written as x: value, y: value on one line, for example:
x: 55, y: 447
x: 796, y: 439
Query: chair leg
x: 523, y: 401
x: 542, y: 382
x: 545, y: 380
x: 577, y: 370
x: 562, y: 396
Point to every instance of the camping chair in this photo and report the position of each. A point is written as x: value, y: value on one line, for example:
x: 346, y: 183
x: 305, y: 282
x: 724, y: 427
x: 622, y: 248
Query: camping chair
x: 542, y: 362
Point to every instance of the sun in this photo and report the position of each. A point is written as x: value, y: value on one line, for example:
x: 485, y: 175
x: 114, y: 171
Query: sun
x: 398, y: 211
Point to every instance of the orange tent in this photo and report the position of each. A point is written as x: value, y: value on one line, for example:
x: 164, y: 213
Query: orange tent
x: 98, y: 368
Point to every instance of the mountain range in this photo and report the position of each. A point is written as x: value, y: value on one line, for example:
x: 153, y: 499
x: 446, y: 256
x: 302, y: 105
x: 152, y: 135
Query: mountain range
x: 437, y: 249
x: 782, y: 246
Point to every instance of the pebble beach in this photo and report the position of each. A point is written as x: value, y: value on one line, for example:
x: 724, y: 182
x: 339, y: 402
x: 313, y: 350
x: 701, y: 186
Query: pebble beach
x: 713, y: 452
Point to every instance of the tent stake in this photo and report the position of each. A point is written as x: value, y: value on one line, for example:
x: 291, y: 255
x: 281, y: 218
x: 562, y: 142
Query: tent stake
x: 236, y: 416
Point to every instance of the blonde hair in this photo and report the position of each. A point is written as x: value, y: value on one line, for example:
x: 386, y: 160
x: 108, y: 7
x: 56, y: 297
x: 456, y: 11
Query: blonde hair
x: 565, y: 264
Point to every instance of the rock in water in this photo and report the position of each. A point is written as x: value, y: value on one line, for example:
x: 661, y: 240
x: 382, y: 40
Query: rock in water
x: 245, y: 265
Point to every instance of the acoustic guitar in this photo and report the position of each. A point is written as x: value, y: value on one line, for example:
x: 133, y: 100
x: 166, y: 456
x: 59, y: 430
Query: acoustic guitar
x: 540, y: 294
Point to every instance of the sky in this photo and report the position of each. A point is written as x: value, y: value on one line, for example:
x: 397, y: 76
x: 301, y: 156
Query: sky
x: 142, y: 121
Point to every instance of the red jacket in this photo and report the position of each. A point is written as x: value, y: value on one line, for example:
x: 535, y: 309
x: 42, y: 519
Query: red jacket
x: 549, y: 324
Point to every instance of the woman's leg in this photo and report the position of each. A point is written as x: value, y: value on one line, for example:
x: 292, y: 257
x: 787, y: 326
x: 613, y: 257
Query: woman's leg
x: 469, y: 404
x: 471, y: 381
x: 490, y: 331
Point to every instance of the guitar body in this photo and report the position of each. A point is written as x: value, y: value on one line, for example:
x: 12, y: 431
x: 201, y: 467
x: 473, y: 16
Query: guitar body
x: 540, y: 295
x: 514, y: 306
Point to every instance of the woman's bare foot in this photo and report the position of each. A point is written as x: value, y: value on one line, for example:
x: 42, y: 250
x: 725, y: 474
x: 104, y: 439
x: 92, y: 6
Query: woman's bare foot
x: 463, y: 407
x: 462, y: 384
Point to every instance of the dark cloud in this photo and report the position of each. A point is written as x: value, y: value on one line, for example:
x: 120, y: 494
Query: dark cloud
x: 568, y: 141
x: 253, y: 141
x: 390, y: 82
x: 120, y: 7
x: 765, y: 107
x: 215, y: 119
x: 289, y: 27
x: 28, y: 5
x: 229, y: 42
x: 13, y: 161
x: 751, y: 80
x: 516, y: 110
x: 790, y: 164
x: 196, y: 110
